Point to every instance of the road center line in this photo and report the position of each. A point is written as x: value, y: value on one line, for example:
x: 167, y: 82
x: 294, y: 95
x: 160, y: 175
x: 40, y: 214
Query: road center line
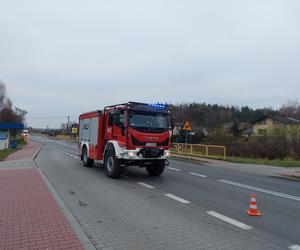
x: 175, y: 169
x: 294, y: 247
x: 145, y: 185
x: 229, y: 220
x: 176, y: 198
x: 287, y: 196
x: 200, y: 175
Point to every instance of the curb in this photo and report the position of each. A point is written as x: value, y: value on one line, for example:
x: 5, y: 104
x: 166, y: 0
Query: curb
x: 288, y: 177
x: 187, y: 159
x: 37, y: 152
x: 85, y: 241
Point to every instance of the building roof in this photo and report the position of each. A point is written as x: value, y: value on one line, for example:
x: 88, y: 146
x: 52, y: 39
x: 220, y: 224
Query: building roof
x: 11, y: 126
x: 283, y: 120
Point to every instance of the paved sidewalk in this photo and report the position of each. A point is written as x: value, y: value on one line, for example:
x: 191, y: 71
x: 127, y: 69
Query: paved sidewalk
x: 30, y: 217
x: 26, y: 152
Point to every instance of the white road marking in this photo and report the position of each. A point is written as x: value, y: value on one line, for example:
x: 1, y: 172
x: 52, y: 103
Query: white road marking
x: 287, y: 196
x: 229, y: 220
x: 200, y: 175
x: 76, y: 157
x: 71, y: 155
x: 145, y: 185
x: 294, y: 247
x: 175, y: 169
x: 176, y: 198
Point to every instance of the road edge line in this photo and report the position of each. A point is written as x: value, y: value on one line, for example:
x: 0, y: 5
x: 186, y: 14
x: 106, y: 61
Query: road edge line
x: 83, y: 238
x: 262, y: 190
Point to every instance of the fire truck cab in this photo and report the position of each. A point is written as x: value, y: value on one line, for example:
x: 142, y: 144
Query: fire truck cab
x: 126, y: 134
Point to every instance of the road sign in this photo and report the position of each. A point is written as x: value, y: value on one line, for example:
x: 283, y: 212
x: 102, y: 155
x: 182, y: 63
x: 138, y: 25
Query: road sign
x: 74, y: 130
x: 3, y: 135
x: 187, y: 126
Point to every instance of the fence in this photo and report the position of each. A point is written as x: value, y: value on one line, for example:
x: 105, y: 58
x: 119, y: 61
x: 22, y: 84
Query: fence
x: 67, y: 138
x: 211, y: 151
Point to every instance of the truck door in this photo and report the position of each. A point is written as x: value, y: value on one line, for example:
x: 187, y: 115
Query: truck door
x: 118, y: 126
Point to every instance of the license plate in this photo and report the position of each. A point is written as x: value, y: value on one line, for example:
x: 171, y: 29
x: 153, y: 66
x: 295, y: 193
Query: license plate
x: 151, y: 144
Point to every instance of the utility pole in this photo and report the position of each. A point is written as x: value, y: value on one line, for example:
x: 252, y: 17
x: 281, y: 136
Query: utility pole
x: 68, y: 124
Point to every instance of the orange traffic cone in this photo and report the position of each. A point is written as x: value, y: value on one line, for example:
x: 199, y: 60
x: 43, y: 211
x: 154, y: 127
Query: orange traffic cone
x: 253, y: 211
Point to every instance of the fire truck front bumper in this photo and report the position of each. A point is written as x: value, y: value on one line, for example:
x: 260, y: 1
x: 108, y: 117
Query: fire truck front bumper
x: 146, y: 154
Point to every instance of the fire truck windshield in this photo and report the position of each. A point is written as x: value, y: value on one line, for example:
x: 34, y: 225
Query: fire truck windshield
x: 148, y: 122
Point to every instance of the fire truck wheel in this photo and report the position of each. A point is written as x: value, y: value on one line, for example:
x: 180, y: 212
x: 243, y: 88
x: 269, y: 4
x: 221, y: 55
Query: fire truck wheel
x: 111, y: 164
x: 156, y: 168
x: 87, y: 162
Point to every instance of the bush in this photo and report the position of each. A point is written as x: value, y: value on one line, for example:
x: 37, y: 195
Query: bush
x: 279, y: 144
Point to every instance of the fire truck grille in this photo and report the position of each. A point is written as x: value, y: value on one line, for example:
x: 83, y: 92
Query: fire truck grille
x: 137, y: 142
x: 164, y: 143
x: 151, y: 152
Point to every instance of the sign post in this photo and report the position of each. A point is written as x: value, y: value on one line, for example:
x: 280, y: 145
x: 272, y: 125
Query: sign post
x: 186, y: 127
x: 74, y: 132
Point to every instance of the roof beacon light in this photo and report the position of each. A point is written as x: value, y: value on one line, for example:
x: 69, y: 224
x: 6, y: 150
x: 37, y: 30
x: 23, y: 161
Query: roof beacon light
x: 158, y: 105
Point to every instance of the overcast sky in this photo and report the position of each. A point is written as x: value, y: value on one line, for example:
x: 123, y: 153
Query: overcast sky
x: 60, y: 58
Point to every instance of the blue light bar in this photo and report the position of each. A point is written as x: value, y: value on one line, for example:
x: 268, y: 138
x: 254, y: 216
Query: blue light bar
x: 158, y: 105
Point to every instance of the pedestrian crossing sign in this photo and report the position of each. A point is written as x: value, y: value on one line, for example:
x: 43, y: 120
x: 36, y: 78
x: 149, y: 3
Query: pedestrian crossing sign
x: 187, y: 126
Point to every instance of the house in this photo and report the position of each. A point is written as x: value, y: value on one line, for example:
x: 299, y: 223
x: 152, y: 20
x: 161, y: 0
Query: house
x: 267, y: 123
x: 244, y: 128
x: 177, y: 128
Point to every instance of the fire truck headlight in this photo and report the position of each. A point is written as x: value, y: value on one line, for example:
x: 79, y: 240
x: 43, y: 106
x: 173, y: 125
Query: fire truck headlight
x: 130, y: 154
x: 167, y: 153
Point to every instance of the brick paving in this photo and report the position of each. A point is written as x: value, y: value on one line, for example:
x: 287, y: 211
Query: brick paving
x: 30, y: 218
x: 17, y: 164
x: 26, y: 152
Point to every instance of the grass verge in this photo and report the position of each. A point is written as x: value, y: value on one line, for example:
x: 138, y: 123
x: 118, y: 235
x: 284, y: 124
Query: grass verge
x: 277, y: 163
x: 6, y: 152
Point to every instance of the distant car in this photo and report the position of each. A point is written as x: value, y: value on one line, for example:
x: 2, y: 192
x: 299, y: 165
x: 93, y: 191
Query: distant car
x: 25, y: 132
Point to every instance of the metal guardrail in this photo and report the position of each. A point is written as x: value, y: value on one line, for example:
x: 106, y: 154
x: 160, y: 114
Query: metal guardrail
x: 210, y: 151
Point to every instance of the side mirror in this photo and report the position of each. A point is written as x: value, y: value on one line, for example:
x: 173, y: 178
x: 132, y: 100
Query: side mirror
x: 172, y: 122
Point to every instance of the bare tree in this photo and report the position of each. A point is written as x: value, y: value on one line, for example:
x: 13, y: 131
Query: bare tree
x: 7, y: 114
x: 291, y: 109
x: 20, y: 113
x: 2, y: 95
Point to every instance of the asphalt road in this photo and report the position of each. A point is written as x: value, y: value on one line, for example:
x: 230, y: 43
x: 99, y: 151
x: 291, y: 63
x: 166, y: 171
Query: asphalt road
x: 200, y: 187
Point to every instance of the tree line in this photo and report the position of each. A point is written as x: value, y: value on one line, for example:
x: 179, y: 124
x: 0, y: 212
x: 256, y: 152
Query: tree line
x: 214, y: 115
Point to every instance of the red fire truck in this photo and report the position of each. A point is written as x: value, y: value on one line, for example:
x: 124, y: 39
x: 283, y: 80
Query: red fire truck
x: 126, y: 134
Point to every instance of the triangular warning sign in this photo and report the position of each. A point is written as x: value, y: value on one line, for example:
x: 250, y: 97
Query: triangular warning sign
x: 187, y: 126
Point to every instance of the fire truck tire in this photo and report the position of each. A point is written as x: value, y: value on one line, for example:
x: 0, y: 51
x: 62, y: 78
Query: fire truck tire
x: 87, y: 162
x: 111, y: 164
x: 156, y: 168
